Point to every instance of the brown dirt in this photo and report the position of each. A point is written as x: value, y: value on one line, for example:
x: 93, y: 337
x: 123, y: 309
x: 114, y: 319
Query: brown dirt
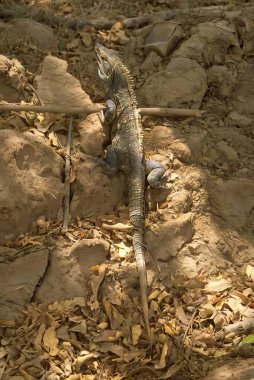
x: 70, y: 306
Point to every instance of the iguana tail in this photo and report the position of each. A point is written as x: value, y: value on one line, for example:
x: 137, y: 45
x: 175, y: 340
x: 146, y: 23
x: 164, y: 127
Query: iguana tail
x: 141, y: 265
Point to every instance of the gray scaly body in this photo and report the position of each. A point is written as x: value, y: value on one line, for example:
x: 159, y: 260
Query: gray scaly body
x: 127, y: 153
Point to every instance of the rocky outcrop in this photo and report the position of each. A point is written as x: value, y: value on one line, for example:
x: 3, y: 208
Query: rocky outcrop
x: 30, y: 184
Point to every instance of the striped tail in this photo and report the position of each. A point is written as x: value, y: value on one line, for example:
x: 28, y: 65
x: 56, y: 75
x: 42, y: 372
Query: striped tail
x: 141, y: 265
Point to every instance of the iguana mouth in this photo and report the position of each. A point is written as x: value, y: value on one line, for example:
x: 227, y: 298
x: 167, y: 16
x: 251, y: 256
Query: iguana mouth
x: 104, y: 66
x: 97, y: 48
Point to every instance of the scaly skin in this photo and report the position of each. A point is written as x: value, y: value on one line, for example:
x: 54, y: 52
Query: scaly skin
x: 128, y: 140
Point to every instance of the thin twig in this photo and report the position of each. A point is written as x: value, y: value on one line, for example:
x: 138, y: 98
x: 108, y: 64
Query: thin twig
x: 67, y: 177
x: 36, y: 94
x: 189, y: 326
x: 157, y: 111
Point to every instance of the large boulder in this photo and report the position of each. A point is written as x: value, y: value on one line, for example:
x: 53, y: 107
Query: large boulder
x: 163, y: 38
x: 232, y: 200
x: 209, y: 43
x: 243, y: 100
x: 170, y: 238
x: 30, y: 182
x: 69, y: 269
x: 181, y: 84
x: 27, y: 31
x: 95, y: 192
x: 18, y: 282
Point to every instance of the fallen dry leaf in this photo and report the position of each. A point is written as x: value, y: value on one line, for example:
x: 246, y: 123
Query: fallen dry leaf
x: 170, y: 328
x: 106, y: 336
x: 180, y: 313
x: 121, y: 352
x: 123, y: 250
x: 96, y: 281
x: 26, y: 375
x: 250, y: 272
x: 136, y: 332
x: 164, y: 353
x: 204, y: 339
x: 115, y: 318
x: 219, y: 321
x: 54, y: 139
x: 162, y: 296
x: 39, y: 336
x: 154, y: 306
x: 241, y: 297
x: 86, y: 38
x: 171, y: 371
x: 103, y: 325
x: 50, y: 340
x: 62, y: 333
x: 76, y: 376
x: 218, y: 285
x: 154, y: 295
x: 83, y: 359
x: 2, y: 352
x: 204, y: 351
x: 207, y: 311
x: 81, y: 328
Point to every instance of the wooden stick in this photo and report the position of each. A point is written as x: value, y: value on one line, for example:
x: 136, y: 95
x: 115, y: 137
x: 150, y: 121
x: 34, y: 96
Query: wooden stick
x: 67, y: 187
x: 117, y: 227
x: 172, y: 112
x: 7, y: 107
x: 241, y: 327
x: 158, y: 111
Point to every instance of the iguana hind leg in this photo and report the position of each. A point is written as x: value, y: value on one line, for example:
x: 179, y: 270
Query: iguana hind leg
x: 114, y: 160
x: 154, y: 171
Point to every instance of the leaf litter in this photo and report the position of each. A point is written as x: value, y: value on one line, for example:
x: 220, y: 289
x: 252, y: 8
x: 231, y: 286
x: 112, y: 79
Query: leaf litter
x: 79, y: 338
x: 92, y: 339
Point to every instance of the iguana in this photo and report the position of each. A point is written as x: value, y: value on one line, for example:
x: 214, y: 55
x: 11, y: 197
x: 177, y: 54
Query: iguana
x: 126, y: 152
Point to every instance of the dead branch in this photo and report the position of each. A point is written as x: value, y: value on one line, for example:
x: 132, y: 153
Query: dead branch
x: 239, y: 328
x: 48, y: 18
x: 203, y: 12
x: 117, y: 227
x: 67, y: 187
x: 158, y: 111
x: 172, y: 112
x: 8, y: 107
x: 133, y: 22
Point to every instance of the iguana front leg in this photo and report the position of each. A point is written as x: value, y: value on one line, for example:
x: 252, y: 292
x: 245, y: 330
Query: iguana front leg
x: 110, y: 112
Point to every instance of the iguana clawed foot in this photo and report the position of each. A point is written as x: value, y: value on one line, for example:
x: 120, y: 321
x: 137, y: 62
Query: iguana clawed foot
x: 155, y: 171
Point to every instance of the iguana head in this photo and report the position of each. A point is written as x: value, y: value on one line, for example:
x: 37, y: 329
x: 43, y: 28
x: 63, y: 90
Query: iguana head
x: 112, y: 71
x: 107, y: 62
